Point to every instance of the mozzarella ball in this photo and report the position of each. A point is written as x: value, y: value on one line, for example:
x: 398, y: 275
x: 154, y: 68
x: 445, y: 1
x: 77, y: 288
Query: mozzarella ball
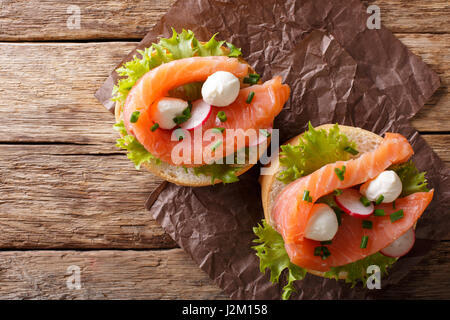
x: 221, y: 89
x: 387, y: 184
x: 323, y: 224
x: 167, y: 109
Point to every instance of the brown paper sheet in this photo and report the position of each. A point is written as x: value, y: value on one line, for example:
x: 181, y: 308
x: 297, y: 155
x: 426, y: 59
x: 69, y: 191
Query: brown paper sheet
x: 339, y: 71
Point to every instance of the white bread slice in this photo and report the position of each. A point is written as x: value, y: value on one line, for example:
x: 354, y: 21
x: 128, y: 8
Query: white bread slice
x: 270, y: 186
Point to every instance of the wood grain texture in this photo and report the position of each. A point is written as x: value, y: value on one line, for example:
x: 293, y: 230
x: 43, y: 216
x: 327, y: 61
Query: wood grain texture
x: 52, y: 99
x: 101, y: 19
x: 58, y: 196
x: 115, y: 19
x: 107, y: 274
x: 64, y: 185
x: 168, y: 274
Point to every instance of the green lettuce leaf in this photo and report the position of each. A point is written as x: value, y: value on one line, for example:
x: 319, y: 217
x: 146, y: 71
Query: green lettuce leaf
x: 357, y: 271
x: 315, y: 149
x: 234, y: 51
x: 224, y: 172
x: 273, y: 256
x: 412, y: 180
x: 135, y: 151
x: 179, y: 46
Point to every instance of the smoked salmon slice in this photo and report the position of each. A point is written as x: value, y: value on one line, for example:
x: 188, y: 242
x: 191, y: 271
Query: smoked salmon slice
x: 345, y: 247
x: 268, y: 101
x: 291, y: 213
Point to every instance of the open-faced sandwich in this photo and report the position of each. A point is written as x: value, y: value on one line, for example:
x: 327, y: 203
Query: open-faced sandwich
x: 183, y: 104
x: 337, y: 200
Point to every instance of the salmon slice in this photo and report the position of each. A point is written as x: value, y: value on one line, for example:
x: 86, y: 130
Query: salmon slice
x: 345, y: 247
x: 268, y: 101
x: 291, y: 214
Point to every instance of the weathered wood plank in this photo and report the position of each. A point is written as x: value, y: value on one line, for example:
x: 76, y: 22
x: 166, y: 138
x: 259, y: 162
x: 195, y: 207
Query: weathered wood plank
x: 74, y: 197
x: 439, y: 143
x: 162, y: 274
x: 115, y: 19
x: 59, y: 196
x: 435, y: 51
x: 414, y: 16
x: 101, y: 19
x: 52, y: 98
x: 53, y: 95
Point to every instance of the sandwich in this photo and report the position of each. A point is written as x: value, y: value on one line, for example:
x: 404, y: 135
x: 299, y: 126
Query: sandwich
x: 338, y: 200
x: 183, y: 109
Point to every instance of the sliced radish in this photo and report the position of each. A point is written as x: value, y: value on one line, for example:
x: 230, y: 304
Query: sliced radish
x: 199, y: 114
x: 401, y: 246
x: 349, y: 201
x: 261, y: 137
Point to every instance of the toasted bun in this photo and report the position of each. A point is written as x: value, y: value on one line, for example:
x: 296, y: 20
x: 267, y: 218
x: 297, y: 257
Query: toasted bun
x: 271, y: 186
x: 178, y: 174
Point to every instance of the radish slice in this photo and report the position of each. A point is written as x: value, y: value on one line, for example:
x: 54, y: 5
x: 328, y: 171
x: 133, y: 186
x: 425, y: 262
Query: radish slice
x: 349, y: 201
x: 199, y: 114
x: 261, y: 137
x: 401, y: 246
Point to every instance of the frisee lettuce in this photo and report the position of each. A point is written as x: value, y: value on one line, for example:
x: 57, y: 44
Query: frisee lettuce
x: 223, y: 172
x: 135, y: 151
x: 139, y: 155
x: 315, y: 149
x: 412, y: 180
x: 273, y: 256
x: 179, y: 46
x: 357, y: 271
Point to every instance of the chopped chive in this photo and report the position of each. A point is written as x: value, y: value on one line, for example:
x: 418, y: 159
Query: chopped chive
x: 367, y: 224
x: 364, y: 241
x: 135, y: 116
x: 216, y: 145
x: 264, y: 132
x: 185, y: 169
x: 322, y: 252
x: 379, y: 200
x: 218, y: 129
x: 351, y: 150
x: 325, y: 242
x: 317, y: 251
x: 379, y: 213
x: 325, y: 253
x: 222, y: 116
x: 364, y: 201
x: 154, y: 127
x: 185, y: 116
x: 338, y: 192
x: 250, y: 97
x: 393, y: 204
x: 306, y: 196
x: 252, y: 78
x: 397, y: 215
x: 340, y: 173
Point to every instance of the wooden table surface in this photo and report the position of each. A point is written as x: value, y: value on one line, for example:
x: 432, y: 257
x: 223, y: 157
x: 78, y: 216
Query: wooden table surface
x: 68, y: 197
